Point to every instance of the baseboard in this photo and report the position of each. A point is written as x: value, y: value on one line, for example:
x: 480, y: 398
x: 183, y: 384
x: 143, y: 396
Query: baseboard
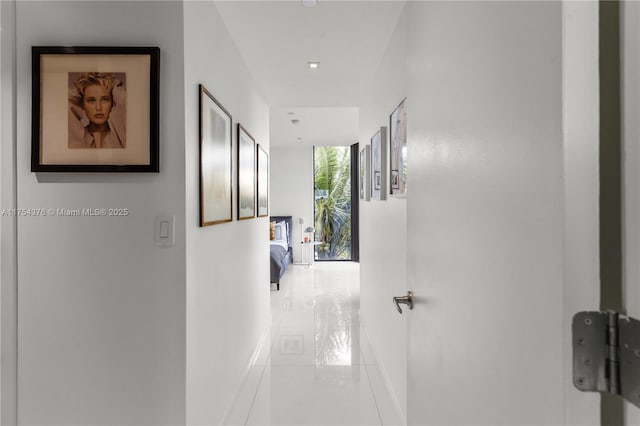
x: 385, y: 378
x: 253, y: 359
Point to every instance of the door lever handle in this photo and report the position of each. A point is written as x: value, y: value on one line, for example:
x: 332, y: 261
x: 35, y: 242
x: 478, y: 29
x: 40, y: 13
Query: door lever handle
x: 405, y: 300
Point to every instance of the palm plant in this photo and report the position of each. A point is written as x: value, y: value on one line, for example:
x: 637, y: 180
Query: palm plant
x: 332, y: 184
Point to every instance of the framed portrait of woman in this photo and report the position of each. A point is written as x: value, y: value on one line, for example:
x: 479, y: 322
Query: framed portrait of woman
x: 95, y: 109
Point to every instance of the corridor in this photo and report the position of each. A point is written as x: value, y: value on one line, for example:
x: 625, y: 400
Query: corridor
x: 318, y: 368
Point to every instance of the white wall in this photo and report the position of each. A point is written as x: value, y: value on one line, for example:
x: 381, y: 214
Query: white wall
x: 383, y: 231
x: 101, y: 325
x: 8, y: 287
x: 227, y: 264
x: 291, y: 191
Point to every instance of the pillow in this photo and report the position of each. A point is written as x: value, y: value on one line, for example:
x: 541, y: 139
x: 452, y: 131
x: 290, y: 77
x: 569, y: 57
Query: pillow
x: 287, y: 232
x: 281, y: 231
x: 272, y: 231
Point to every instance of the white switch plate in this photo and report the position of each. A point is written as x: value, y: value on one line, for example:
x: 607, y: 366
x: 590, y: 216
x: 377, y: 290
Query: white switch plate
x: 163, y: 231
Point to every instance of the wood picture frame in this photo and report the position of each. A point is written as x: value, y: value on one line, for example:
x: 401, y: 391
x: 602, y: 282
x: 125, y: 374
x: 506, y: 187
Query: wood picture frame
x: 246, y: 174
x: 263, y: 182
x: 216, y: 157
x: 398, y: 150
x: 95, y: 109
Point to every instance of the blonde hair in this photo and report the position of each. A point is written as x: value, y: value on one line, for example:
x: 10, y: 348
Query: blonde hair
x: 86, y: 79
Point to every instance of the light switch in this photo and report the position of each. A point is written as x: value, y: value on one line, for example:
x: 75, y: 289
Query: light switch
x: 163, y: 230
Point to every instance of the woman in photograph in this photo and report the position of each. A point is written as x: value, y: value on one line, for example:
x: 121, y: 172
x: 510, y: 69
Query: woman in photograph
x: 96, y: 111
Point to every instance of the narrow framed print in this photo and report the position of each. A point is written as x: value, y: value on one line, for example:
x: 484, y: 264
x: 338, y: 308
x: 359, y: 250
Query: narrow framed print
x: 365, y: 176
x: 263, y: 182
x: 95, y: 109
x: 216, y: 156
x: 378, y: 164
x: 246, y: 174
x: 398, y: 150
x: 395, y: 180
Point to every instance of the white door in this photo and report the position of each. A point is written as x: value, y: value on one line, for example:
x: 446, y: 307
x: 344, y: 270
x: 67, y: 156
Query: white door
x: 502, y: 209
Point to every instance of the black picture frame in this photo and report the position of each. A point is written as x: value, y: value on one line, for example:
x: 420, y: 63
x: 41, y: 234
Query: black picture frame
x: 216, y: 161
x: 67, y: 136
x: 246, y: 174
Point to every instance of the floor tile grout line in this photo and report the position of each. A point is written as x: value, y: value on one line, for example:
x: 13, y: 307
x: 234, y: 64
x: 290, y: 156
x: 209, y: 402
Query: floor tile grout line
x: 273, y: 330
x: 255, y: 394
x: 373, y: 394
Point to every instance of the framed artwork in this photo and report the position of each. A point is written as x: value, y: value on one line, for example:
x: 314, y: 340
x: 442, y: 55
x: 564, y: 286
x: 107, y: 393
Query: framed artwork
x: 246, y: 174
x: 378, y: 163
x: 95, y: 109
x: 216, y: 205
x: 365, y: 176
x: 263, y: 182
x: 398, y: 150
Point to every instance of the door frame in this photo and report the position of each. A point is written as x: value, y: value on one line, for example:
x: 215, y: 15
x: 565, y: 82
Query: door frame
x: 355, y: 203
x: 611, y: 272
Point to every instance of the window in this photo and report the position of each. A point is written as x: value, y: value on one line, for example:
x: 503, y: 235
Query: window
x: 333, y: 203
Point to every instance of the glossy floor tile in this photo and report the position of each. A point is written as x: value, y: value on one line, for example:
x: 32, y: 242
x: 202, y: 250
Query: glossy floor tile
x: 318, y: 367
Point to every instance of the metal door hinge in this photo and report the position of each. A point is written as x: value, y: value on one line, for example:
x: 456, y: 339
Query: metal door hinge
x: 606, y: 354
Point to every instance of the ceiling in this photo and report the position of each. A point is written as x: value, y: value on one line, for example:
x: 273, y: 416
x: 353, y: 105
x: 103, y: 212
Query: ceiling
x: 277, y: 39
x: 316, y: 126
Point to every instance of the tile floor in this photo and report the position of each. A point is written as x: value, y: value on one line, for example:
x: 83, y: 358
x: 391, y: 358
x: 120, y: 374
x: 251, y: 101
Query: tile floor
x: 318, y: 367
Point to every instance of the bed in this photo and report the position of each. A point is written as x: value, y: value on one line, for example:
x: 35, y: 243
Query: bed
x: 281, y: 247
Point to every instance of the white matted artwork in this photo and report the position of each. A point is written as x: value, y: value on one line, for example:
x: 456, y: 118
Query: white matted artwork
x: 398, y: 150
x: 378, y: 165
x: 215, y: 161
x: 246, y: 174
x: 365, y: 176
x: 263, y: 182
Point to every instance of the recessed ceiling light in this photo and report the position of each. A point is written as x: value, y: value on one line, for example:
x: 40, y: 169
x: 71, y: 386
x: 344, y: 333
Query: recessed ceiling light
x: 309, y: 3
x: 313, y: 65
